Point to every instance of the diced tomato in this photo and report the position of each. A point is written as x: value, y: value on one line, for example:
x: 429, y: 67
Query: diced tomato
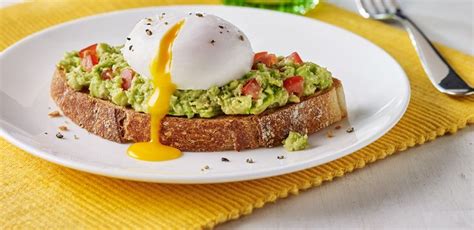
x: 127, y: 77
x: 90, y: 50
x: 89, y: 57
x: 87, y: 63
x: 252, y: 88
x: 265, y: 58
x: 107, y: 74
x: 258, y: 56
x: 294, y: 85
x: 270, y: 60
x: 95, y: 59
x: 295, y: 57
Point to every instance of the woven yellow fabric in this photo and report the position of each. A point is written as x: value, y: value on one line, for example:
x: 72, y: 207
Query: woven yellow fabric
x: 35, y: 193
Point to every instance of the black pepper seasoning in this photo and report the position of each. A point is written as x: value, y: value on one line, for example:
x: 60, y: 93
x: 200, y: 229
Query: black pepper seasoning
x: 166, y: 23
x: 280, y: 157
x: 130, y: 47
x: 212, y: 42
x: 250, y: 161
x: 148, y: 32
x: 199, y: 15
x: 129, y: 39
x: 223, y: 159
x: 222, y: 27
x: 241, y: 37
x: 350, y: 130
x: 59, y: 135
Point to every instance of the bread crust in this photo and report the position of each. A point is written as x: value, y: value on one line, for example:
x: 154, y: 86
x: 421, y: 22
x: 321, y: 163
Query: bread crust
x: 225, y: 132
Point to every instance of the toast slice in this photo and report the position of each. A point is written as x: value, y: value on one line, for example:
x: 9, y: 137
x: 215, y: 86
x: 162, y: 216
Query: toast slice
x: 224, y: 132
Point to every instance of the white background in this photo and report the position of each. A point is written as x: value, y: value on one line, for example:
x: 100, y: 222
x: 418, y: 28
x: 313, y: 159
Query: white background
x: 429, y: 186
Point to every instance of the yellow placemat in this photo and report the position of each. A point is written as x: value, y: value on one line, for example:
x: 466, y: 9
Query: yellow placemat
x: 35, y: 193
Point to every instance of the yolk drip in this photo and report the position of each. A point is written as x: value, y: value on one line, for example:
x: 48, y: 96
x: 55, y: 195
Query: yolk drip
x: 158, y: 103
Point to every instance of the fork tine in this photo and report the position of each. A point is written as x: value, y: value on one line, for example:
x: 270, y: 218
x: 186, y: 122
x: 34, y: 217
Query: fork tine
x: 387, y: 8
x: 395, y: 5
x: 376, y: 7
x: 378, y: 10
x: 362, y: 7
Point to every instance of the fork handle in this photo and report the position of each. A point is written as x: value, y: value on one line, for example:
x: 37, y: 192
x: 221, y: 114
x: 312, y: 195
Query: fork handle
x: 441, y: 74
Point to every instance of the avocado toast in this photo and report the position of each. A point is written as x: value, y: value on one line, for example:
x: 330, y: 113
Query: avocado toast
x: 279, y: 95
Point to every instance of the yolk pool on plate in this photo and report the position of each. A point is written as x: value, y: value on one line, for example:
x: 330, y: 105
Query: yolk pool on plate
x: 160, y: 69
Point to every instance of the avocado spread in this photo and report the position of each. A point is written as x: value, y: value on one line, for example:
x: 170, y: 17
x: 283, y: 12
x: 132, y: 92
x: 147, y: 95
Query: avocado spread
x: 226, y: 99
x: 295, y: 141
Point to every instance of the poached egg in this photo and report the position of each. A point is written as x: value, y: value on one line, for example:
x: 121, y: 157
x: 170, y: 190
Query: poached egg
x: 208, y: 51
x: 185, y: 51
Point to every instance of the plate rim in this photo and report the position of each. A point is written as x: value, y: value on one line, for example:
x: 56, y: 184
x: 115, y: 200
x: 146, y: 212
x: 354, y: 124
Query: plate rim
x: 216, y: 178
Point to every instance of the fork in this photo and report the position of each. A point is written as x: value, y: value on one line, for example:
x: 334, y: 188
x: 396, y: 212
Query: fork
x: 441, y: 74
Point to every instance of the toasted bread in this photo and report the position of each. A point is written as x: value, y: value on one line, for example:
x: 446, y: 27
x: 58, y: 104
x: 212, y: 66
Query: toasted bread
x: 224, y: 132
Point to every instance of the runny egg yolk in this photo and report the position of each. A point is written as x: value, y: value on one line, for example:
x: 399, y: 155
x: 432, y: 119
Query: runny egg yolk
x: 158, y: 103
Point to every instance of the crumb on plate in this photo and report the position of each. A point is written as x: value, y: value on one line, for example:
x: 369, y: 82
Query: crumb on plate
x: 329, y: 134
x: 54, y: 114
x: 223, y: 159
x: 59, y: 135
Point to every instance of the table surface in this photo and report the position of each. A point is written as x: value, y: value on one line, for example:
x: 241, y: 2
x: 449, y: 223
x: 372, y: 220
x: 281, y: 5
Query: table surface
x: 420, y: 188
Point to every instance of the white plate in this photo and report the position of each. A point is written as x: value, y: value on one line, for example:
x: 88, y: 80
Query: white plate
x: 377, y: 93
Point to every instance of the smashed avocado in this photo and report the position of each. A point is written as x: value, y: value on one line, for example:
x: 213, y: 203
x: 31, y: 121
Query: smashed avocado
x: 104, y: 81
x: 295, y: 141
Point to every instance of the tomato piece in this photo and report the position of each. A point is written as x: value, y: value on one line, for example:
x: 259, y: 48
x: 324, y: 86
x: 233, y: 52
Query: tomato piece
x: 127, y: 77
x: 87, y: 63
x: 270, y: 59
x: 251, y: 88
x: 295, y: 57
x: 294, y: 85
x: 107, y: 74
x: 265, y: 58
x: 95, y: 59
x: 89, y: 57
x: 92, y: 50
x: 258, y: 56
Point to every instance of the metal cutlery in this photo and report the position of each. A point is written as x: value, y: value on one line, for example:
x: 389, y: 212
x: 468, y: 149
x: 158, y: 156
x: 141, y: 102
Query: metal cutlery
x: 441, y: 74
